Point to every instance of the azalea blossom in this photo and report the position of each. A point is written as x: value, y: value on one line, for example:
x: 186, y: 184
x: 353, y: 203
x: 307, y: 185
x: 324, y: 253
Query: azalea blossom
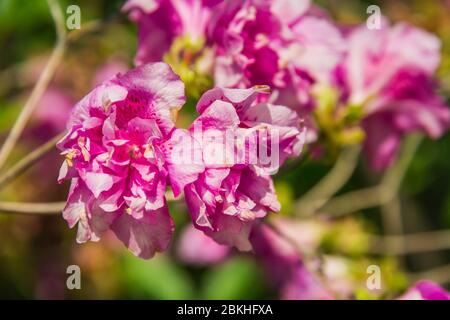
x: 118, y: 157
x: 388, y: 74
x: 425, y: 290
x: 285, y: 268
x: 195, y: 248
x: 230, y: 195
x: 284, y: 44
x: 160, y: 22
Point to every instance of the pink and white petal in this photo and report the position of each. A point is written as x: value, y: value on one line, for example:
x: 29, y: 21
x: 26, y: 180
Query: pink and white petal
x: 82, y: 209
x: 196, y: 248
x: 146, y: 236
x: 272, y: 114
x: 197, y: 208
x: 219, y: 115
x: 260, y: 189
x: 231, y: 231
x: 101, y: 97
x: 381, y: 144
x: 98, y: 182
x: 425, y: 290
x: 290, y: 10
x: 184, y: 160
x: 163, y: 86
x: 241, y: 99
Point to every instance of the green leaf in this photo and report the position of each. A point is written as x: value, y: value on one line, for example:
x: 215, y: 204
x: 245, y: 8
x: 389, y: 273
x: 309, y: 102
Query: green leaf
x: 237, y: 278
x: 157, y: 278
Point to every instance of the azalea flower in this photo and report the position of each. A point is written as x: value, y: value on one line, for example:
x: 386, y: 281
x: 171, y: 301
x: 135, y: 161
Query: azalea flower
x: 284, y: 44
x: 236, y: 188
x: 160, y: 22
x: 195, y: 248
x: 388, y: 75
x: 285, y: 268
x: 425, y: 290
x: 119, y: 159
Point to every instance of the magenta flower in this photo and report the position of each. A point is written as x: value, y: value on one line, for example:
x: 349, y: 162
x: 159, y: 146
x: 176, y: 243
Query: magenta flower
x: 196, y: 248
x: 285, y: 267
x: 425, y: 290
x: 236, y: 136
x: 388, y: 73
x: 119, y: 156
x: 161, y: 21
x: 278, y: 43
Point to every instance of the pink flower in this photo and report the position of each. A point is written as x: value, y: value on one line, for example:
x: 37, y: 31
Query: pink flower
x: 197, y: 249
x: 285, y: 267
x: 388, y: 73
x: 51, y: 114
x: 109, y: 70
x: 119, y: 156
x: 425, y: 290
x: 161, y: 21
x: 236, y: 189
x: 278, y: 43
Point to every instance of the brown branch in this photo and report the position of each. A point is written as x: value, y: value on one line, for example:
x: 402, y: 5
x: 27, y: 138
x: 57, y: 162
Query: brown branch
x: 28, y: 161
x: 316, y: 197
x: 50, y: 208
x: 378, y: 195
x: 440, y: 274
x: 411, y: 243
x: 40, y: 86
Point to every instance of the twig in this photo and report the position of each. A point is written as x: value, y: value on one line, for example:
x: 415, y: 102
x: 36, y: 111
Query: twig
x: 330, y: 184
x: 411, y: 243
x: 37, y: 208
x: 392, y: 220
x: 391, y: 217
x: 40, y: 86
x: 50, y: 208
x: 28, y: 161
x: 307, y: 259
x: 440, y: 274
x: 93, y: 26
x: 377, y: 195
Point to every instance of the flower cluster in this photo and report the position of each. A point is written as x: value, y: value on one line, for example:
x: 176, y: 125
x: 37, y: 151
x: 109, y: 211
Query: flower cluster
x: 122, y: 150
x: 387, y: 74
x: 278, y: 67
x: 267, y: 77
x: 350, y: 85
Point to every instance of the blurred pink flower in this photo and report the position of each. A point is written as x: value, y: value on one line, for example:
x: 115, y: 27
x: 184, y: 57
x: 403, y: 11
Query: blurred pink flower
x: 118, y: 155
x: 196, y: 248
x: 161, y: 21
x: 425, y: 290
x: 230, y: 195
x: 54, y: 109
x: 109, y: 70
x: 285, y: 267
x: 389, y: 73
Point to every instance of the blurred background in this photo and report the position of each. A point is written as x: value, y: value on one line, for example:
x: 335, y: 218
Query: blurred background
x: 36, y: 250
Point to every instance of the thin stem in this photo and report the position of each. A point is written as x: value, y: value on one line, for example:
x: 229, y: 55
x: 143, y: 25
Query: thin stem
x: 411, y: 243
x: 440, y: 274
x: 50, y: 208
x: 392, y: 220
x: 36, y: 208
x: 308, y: 260
x: 92, y: 26
x: 330, y: 184
x: 354, y: 201
x: 40, y: 86
x: 379, y: 195
x: 28, y: 161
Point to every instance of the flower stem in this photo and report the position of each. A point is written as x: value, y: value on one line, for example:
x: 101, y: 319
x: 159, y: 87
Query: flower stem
x: 40, y: 86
